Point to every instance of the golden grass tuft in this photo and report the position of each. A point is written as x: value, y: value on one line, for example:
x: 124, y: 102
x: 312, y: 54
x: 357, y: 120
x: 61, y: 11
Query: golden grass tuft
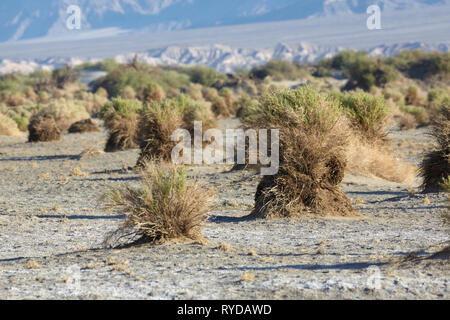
x: 376, y: 160
x: 224, y: 246
x: 76, y: 172
x: 248, y: 277
x: 165, y: 207
x: 31, y: 264
x: 8, y: 127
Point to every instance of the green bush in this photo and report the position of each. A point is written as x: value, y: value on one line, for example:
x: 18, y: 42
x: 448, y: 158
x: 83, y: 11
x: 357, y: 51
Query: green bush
x: 279, y: 70
x: 437, y: 97
x: 120, y: 107
x: 64, y: 76
x: 139, y: 79
x: 422, y: 65
x: 367, y: 113
x: 306, y: 105
x: 362, y: 71
x: 203, y: 75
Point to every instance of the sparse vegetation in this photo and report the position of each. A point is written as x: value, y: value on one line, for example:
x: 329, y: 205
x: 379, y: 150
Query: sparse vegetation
x: 165, y: 207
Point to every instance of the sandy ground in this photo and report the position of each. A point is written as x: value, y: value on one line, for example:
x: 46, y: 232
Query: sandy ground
x: 52, y: 226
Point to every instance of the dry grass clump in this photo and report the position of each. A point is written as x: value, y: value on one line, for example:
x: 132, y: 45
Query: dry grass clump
x: 156, y: 126
x: 43, y: 128
x: 83, y: 126
x: 121, y: 120
x: 435, y: 165
x: 165, y: 207
x: 223, y: 104
x: 375, y: 160
x: 160, y: 120
x: 312, y: 155
x: 65, y: 112
x: 152, y: 92
x: 8, y: 127
x: 93, y: 102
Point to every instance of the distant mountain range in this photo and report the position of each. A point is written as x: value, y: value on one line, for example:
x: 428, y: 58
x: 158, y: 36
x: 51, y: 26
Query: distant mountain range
x: 30, y: 19
x: 220, y: 57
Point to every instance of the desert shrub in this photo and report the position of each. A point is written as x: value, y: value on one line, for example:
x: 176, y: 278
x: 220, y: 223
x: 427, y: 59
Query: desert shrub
x: 41, y: 81
x: 43, y: 128
x: 194, y: 91
x: 367, y: 113
x: 394, y: 95
x: 420, y: 114
x: 406, y: 121
x: 152, y: 92
x: 436, y: 98
x: 21, y: 121
x: 65, y: 75
x: 65, y: 112
x: 119, y: 107
x: 165, y: 207
x: 94, y: 102
x: 242, y: 105
x: 367, y: 72
x: 422, y: 65
x: 156, y: 126
x: 121, y: 120
x: 278, y: 70
x: 122, y: 77
x: 194, y: 111
x: 8, y: 127
x: 30, y: 94
x: 101, y: 92
x: 84, y: 126
x: 16, y: 99
x: 435, y: 165
x: 362, y: 71
x: 160, y: 120
x: 222, y: 105
x: 43, y: 97
x: 311, y: 151
x: 128, y: 93
x: 249, y: 87
x: 210, y: 94
x: 203, y: 75
x: 412, y: 96
x: 139, y: 78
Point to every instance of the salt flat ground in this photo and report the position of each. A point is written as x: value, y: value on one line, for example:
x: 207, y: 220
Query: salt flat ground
x: 57, y: 221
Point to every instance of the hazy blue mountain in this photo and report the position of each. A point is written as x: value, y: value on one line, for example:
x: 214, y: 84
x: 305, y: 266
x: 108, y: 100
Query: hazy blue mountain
x: 28, y: 19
